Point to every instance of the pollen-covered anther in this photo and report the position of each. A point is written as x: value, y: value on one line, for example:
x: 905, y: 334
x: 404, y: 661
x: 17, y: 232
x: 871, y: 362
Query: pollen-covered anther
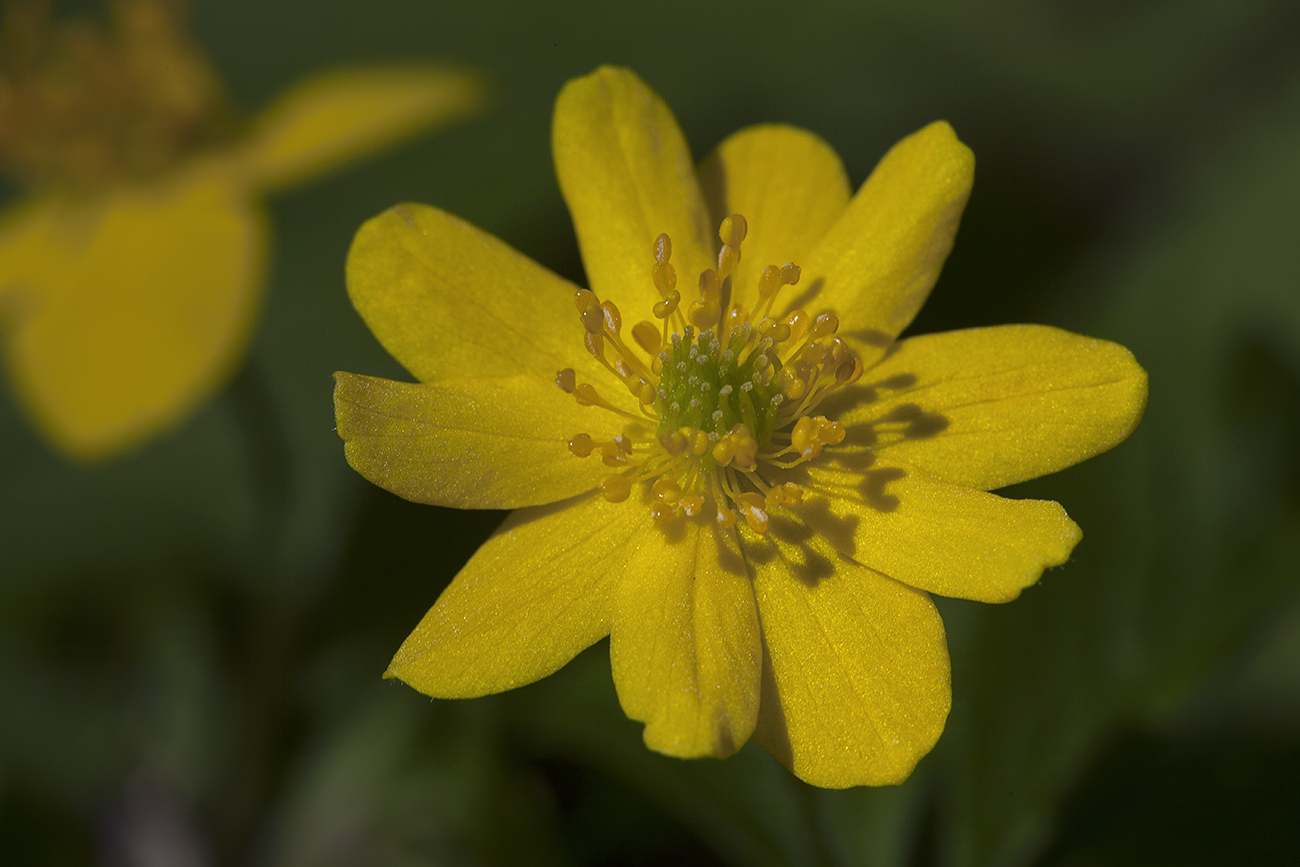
x: 754, y: 507
x: 615, y: 487
x: 788, y: 494
x: 811, y: 433
x: 726, y: 518
x: 737, y: 447
x: 793, y: 383
x: 692, y: 505
x: 665, y: 276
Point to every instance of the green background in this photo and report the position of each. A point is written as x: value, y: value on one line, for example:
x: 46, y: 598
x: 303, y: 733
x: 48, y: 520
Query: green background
x: 191, y: 636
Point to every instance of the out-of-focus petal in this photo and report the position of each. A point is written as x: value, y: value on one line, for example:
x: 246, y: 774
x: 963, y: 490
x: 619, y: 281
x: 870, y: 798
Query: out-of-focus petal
x: 534, y: 596
x: 876, y: 266
x: 989, y: 407
x: 469, y: 443
x: 627, y: 175
x: 790, y: 187
x: 856, y: 684
x: 340, y: 115
x: 141, y: 307
x: 685, y: 645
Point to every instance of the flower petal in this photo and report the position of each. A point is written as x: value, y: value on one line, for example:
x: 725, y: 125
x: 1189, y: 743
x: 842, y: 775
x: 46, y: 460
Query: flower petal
x: 988, y: 407
x: 627, y: 175
x: 929, y: 534
x: 133, y: 308
x: 534, y: 596
x: 469, y: 443
x: 856, y: 684
x: 788, y: 184
x: 878, y: 263
x: 684, y: 645
x: 448, y: 300
x: 338, y: 116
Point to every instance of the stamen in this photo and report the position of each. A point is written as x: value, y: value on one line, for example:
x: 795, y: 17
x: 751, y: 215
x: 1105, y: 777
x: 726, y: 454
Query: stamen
x: 724, y: 389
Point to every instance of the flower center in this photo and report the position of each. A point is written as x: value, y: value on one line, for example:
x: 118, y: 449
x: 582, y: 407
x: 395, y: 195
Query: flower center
x: 725, y: 394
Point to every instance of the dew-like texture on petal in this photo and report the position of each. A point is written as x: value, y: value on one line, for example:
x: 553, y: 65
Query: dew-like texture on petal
x: 685, y: 645
x: 878, y: 263
x: 340, y: 115
x: 128, y: 310
x: 988, y: 407
x: 538, y: 593
x: 469, y: 443
x: 791, y: 188
x: 933, y: 535
x: 856, y: 685
x: 627, y: 175
x: 448, y: 300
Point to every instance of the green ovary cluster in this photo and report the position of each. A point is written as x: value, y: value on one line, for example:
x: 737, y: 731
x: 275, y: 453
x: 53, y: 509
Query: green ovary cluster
x: 708, y: 386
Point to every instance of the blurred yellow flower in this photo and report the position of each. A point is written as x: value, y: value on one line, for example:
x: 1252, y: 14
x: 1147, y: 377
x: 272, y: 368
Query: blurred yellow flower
x: 131, y: 273
x: 751, y: 490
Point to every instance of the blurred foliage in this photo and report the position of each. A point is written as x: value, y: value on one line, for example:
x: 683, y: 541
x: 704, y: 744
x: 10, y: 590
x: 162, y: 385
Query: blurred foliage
x: 191, y: 635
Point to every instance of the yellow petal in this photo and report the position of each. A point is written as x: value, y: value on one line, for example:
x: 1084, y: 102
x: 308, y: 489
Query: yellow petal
x: 448, y: 300
x: 535, y: 595
x: 469, y: 443
x: 989, y: 407
x: 878, y: 263
x: 935, y: 536
x: 337, y: 116
x: 855, y: 681
x: 627, y: 175
x: 790, y: 187
x: 135, y: 308
x: 684, y: 646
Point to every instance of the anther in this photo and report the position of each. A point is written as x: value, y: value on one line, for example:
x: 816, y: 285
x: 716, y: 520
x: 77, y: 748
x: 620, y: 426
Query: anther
x: 798, y: 322
x: 733, y: 230
x: 754, y: 508
x: 584, y: 298
x: 665, y: 308
x: 674, y: 442
x: 665, y: 276
x: 613, y: 321
x: 790, y: 273
x: 615, y: 487
x: 662, y: 511
x: 663, y: 249
x: 666, y: 491
x: 593, y: 318
x: 826, y: 324
x: 566, y: 379
x: 580, y: 445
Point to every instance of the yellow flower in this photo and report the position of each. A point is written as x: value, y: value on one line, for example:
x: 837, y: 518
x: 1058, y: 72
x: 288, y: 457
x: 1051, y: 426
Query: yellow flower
x: 130, y: 276
x: 746, y: 482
